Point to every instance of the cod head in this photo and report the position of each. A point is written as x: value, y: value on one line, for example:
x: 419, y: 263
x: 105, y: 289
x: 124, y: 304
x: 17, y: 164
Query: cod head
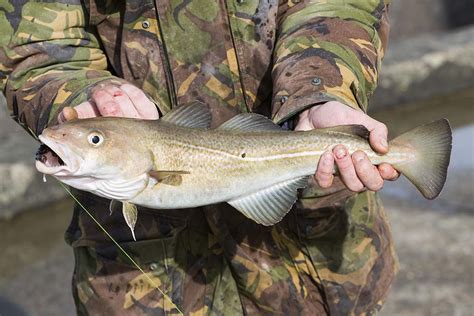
x: 105, y: 156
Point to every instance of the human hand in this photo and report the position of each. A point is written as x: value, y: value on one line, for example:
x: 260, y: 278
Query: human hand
x: 110, y: 100
x: 356, y: 171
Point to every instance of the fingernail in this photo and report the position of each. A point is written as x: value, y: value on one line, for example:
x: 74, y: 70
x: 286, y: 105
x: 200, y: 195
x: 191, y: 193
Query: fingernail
x: 359, y: 156
x: 327, y: 157
x: 384, y: 143
x: 341, y: 153
x: 69, y: 113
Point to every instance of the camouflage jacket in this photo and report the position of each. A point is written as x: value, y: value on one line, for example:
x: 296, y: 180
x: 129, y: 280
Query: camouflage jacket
x: 331, y: 254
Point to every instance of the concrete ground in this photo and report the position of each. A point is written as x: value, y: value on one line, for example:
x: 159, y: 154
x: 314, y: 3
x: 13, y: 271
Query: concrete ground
x: 434, y: 241
x: 435, y: 250
x: 36, y: 264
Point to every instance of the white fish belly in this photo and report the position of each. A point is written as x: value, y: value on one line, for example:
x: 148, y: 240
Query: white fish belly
x: 225, y: 182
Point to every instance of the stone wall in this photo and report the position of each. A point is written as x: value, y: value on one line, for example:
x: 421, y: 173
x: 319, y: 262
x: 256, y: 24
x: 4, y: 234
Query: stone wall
x: 425, y: 66
x: 21, y: 186
x: 410, y: 18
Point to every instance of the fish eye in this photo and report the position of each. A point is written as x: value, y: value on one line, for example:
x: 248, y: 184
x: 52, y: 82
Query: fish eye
x: 95, y: 139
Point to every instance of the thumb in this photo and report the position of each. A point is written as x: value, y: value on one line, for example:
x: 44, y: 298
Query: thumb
x: 67, y: 114
x: 304, y: 121
x: 378, y: 137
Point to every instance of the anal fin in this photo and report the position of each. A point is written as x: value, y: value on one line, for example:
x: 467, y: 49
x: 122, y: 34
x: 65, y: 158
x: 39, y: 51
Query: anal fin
x: 270, y: 205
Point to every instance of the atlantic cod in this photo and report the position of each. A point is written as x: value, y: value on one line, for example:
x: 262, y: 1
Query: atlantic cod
x: 249, y: 162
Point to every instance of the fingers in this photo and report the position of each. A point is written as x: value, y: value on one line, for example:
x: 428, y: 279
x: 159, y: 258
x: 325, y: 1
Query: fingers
x: 123, y: 100
x: 126, y: 101
x: 304, y: 120
x: 67, y: 114
x: 83, y: 110
x: 106, y: 103
x: 324, y: 173
x: 335, y: 113
x: 346, y: 169
x: 109, y: 100
x: 387, y: 172
x: 378, y: 137
x: 143, y: 105
x: 86, y: 109
x: 367, y: 173
x: 357, y: 172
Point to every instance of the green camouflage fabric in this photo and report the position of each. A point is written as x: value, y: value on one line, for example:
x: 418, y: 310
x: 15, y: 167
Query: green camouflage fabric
x: 332, y: 254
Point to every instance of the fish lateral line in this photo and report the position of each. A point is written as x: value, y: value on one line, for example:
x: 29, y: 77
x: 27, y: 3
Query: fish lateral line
x: 244, y: 154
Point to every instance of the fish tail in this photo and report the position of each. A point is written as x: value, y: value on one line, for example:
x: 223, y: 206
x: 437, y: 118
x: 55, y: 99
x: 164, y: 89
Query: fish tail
x: 432, y: 145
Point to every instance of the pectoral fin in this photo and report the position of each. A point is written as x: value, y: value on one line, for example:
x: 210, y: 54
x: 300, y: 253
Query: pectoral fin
x: 270, y: 205
x: 114, y: 204
x: 168, y: 177
x: 130, y: 213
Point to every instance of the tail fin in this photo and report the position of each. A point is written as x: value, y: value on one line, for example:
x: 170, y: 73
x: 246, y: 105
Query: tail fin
x: 432, y: 143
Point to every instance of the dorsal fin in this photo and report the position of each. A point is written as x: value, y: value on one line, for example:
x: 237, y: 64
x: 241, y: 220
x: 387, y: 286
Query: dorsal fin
x: 359, y: 130
x: 249, y: 122
x: 194, y: 114
x: 270, y: 205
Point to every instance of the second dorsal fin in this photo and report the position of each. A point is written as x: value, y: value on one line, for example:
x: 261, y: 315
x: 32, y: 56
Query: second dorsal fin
x: 195, y: 115
x: 249, y: 122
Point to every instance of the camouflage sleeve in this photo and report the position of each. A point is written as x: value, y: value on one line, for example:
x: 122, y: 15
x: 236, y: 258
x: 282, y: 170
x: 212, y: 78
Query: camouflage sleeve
x: 327, y: 50
x: 48, y: 59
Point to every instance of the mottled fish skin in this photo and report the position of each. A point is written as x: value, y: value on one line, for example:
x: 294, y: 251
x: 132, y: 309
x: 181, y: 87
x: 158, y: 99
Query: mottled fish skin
x: 223, y: 165
x: 220, y: 164
x: 177, y: 162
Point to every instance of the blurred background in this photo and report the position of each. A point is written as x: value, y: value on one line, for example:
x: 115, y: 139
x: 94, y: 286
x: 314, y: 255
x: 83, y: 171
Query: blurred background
x: 428, y: 73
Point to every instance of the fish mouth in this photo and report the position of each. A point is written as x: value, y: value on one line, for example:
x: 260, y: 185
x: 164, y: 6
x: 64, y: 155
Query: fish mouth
x: 48, y: 157
x: 53, y: 158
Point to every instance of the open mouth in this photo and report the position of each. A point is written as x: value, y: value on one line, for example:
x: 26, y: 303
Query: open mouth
x: 48, y: 157
x: 54, y: 158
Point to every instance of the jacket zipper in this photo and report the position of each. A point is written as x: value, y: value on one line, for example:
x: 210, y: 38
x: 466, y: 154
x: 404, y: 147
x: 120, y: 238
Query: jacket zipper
x: 166, y: 63
x: 237, y: 57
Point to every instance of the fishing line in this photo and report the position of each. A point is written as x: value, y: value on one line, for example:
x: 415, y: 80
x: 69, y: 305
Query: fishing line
x: 122, y: 250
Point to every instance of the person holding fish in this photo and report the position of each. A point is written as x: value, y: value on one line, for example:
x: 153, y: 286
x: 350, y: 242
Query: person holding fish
x: 194, y: 65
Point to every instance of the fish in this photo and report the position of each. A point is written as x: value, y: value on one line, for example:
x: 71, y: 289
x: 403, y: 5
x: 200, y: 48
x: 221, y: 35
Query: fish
x: 253, y: 164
